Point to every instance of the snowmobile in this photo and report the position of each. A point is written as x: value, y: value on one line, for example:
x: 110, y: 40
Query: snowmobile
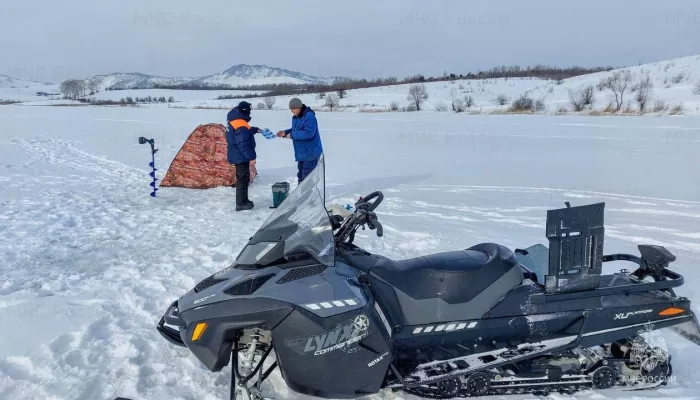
x: 342, y: 322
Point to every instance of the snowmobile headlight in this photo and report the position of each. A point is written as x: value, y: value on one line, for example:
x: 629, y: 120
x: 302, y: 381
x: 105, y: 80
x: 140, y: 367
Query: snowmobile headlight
x: 199, y: 331
x: 671, y: 311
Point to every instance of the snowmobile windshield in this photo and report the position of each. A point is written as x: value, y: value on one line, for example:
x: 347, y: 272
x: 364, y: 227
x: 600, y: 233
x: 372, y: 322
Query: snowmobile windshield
x: 299, y: 225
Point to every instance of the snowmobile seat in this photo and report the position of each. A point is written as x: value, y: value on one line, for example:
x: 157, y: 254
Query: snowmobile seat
x: 418, y: 287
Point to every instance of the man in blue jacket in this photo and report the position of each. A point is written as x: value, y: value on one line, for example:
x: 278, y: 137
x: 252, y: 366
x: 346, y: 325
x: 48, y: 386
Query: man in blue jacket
x: 241, y: 150
x: 305, y: 136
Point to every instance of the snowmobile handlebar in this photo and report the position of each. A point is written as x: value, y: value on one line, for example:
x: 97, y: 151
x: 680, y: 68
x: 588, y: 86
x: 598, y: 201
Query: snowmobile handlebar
x: 373, y: 223
x: 363, y: 215
x: 364, y: 202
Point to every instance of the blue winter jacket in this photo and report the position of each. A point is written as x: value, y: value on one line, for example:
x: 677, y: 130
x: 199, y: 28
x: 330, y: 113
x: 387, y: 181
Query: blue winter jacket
x: 240, y: 138
x: 306, y: 137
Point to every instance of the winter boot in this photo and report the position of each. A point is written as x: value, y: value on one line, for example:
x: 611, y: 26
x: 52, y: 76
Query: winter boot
x: 248, y: 206
x: 242, y: 202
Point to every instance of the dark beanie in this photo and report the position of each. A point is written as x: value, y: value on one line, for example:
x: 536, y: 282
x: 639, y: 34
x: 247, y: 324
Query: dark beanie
x: 244, y: 107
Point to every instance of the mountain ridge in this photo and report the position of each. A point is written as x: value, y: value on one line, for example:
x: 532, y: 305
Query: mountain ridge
x: 237, y: 75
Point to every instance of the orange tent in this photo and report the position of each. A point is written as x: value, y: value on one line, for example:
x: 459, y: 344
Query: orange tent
x: 201, y: 163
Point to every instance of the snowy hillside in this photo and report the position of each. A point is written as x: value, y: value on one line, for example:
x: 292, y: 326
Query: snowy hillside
x: 122, y: 81
x: 675, y: 89
x: 673, y: 81
x: 89, y: 261
x: 22, y: 90
x: 238, y: 75
x: 243, y: 74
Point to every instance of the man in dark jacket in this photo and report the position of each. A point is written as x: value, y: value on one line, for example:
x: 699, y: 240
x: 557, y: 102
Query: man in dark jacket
x: 241, y: 150
x: 305, y: 136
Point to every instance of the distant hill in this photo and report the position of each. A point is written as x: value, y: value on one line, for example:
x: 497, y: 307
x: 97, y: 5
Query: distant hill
x: 236, y: 76
x: 9, y: 82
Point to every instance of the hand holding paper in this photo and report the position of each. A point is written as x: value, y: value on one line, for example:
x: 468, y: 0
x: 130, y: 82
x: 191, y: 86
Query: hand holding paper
x: 267, y: 134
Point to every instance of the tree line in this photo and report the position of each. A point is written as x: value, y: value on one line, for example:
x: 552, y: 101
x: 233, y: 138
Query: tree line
x: 342, y: 85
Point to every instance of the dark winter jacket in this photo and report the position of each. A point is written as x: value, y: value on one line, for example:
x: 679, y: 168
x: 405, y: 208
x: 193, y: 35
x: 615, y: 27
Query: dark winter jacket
x: 306, y: 137
x: 240, y: 137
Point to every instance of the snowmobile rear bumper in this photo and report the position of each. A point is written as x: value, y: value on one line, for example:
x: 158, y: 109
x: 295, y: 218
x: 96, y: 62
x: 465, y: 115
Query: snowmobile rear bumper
x: 170, y: 334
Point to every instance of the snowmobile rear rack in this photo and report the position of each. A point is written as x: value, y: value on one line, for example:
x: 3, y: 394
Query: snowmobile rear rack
x: 576, y: 238
x: 672, y: 280
x: 653, y: 263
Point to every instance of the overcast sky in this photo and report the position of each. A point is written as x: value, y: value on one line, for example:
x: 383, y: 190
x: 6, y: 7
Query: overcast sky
x: 52, y: 40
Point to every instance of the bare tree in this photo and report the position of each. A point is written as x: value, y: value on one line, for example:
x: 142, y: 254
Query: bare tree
x: 417, y: 94
x: 332, y: 101
x: 458, y: 105
x: 92, y: 86
x: 582, y: 98
x: 65, y: 88
x: 468, y: 101
x: 617, y: 83
x: 502, y: 100
x: 269, y: 102
x: 441, y: 107
x: 342, y: 92
x: 644, y: 88
x: 72, y: 88
x: 696, y: 89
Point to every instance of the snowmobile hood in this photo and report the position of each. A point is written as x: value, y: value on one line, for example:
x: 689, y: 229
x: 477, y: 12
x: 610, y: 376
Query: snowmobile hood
x: 300, y: 225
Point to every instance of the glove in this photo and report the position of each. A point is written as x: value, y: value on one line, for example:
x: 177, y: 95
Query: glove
x: 254, y: 129
x: 252, y: 163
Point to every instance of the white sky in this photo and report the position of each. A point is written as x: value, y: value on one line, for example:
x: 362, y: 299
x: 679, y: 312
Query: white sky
x: 52, y: 40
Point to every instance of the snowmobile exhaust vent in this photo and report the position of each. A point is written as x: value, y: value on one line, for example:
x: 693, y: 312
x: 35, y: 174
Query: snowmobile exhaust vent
x: 301, y: 273
x: 207, y: 283
x: 575, y: 237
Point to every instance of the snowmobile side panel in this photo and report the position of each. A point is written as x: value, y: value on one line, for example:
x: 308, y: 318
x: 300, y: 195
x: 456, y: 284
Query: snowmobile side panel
x: 593, y: 338
x: 323, y: 291
x: 343, y: 356
x: 385, y: 296
x: 224, y: 320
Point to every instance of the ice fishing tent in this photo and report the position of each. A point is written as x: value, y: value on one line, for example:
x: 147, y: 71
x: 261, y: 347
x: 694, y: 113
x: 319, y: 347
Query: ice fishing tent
x: 201, y: 163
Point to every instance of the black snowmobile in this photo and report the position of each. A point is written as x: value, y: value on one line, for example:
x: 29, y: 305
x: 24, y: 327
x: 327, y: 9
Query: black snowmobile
x: 344, y: 323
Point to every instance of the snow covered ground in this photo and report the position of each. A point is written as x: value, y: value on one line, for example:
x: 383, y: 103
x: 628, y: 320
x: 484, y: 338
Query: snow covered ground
x: 89, y: 261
